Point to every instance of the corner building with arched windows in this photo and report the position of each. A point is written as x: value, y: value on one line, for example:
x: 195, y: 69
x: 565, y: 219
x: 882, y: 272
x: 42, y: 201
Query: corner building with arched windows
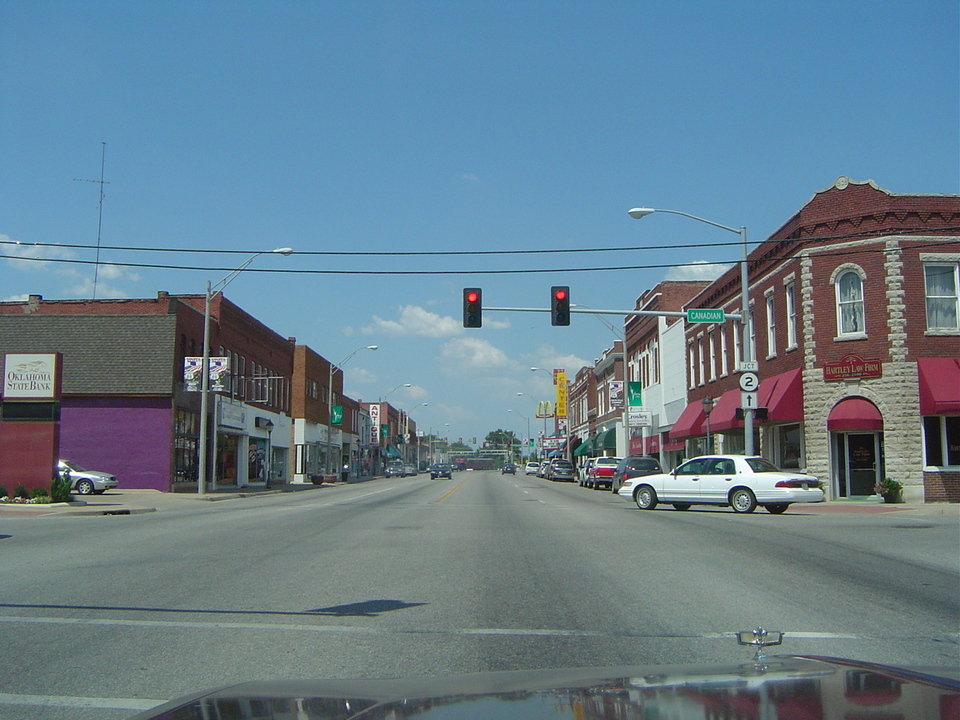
x: 855, y: 304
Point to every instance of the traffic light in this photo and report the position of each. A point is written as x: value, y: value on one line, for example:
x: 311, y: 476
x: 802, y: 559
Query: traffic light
x: 560, y: 305
x: 472, y: 307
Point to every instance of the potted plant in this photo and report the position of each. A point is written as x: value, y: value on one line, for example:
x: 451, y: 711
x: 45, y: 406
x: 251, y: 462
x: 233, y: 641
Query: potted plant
x: 890, y: 490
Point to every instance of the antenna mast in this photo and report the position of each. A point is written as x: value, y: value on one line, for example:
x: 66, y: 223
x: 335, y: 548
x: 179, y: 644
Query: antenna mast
x: 101, y: 182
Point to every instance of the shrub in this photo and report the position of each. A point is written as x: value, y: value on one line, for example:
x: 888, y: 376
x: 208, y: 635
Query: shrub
x: 3, y: 491
x: 60, y: 489
x: 38, y: 493
x: 21, y: 492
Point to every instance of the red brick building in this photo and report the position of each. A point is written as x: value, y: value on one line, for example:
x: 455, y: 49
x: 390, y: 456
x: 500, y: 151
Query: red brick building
x: 856, y: 330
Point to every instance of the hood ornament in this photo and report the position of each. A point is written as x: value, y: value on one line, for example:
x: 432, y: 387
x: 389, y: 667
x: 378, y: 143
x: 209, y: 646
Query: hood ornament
x: 760, y: 639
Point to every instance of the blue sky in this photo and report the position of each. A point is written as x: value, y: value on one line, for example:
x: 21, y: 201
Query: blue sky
x: 448, y: 126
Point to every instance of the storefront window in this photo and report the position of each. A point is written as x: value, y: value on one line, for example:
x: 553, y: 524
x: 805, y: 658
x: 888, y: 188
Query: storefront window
x: 227, y: 458
x: 941, y: 440
x: 789, y: 451
x: 256, y: 460
x: 185, y: 441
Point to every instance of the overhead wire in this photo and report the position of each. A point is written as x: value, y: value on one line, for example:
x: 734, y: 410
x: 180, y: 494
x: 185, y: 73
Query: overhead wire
x: 472, y: 271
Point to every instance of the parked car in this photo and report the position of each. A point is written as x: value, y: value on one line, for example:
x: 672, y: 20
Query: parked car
x: 531, y: 468
x: 86, y: 482
x: 560, y: 470
x: 634, y: 466
x: 542, y: 470
x: 508, y: 469
x: 394, y: 470
x: 585, y: 469
x: 602, y: 471
x: 740, y: 481
x: 438, y: 470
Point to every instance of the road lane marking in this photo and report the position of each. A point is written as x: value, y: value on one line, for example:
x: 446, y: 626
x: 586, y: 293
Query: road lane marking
x: 449, y: 493
x: 80, y: 702
x: 359, y: 630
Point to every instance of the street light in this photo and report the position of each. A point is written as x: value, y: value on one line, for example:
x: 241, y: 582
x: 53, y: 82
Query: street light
x: 331, y: 369
x: 205, y: 363
x: 746, y: 321
x: 401, y: 385
x: 528, y: 423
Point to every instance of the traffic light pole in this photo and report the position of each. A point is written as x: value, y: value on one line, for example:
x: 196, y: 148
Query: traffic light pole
x: 593, y: 311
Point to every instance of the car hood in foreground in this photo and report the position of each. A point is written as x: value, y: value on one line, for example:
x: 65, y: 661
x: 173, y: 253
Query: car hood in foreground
x: 778, y: 686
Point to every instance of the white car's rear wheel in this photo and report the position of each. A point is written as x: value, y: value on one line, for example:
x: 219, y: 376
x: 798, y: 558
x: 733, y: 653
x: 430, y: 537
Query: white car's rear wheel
x: 742, y: 500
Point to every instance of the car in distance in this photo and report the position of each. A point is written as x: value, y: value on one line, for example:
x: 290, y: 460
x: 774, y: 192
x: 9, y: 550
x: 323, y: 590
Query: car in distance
x: 438, y: 470
x: 560, y: 470
x: 634, y: 466
x: 508, y: 469
x: 739, y: 481
x: 531, y: 468
x: 394, y: 470
x: 83, y: 481
x: 410, y: 470
x: 542, y: 470
x: 602, y: 471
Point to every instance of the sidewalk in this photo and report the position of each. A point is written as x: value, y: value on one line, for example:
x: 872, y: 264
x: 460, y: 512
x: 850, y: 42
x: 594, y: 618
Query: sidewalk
x: 133, y: 502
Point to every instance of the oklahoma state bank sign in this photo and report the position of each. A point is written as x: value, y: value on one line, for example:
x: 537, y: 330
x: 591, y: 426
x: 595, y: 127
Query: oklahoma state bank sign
x: 31, y: 376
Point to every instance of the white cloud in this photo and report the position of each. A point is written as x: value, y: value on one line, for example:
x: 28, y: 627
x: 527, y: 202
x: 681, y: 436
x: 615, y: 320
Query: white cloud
x: 415, y: 321
x: 549, y: 358
x: 698, y: 270
x: 361, y: 376
x: 416, y: 392
x: 473, y: 353
x: 469, y: 177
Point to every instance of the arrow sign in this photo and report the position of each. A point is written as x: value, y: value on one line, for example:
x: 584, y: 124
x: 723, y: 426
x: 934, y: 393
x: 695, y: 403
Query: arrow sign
x: 748, y: 400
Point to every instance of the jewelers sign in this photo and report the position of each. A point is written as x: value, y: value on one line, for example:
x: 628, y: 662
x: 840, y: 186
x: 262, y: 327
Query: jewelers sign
x: 852, y: 367
x: 31, y: 376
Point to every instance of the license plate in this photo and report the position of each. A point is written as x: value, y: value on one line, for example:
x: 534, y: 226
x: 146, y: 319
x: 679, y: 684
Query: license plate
x: 804, y: 486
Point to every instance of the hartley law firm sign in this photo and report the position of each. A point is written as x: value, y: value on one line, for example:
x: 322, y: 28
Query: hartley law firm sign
x: 852, y: 367
x: 31, y: 376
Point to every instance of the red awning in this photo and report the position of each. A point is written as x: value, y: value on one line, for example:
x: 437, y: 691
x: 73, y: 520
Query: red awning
x: 855, y: 413
x: 673, y: 445
x: 939, y: 386
x: 781, y: 394
x: 651, y: 445
x: 690, y: 422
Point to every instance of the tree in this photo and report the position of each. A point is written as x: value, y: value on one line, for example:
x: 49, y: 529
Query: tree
x: 500, y: 440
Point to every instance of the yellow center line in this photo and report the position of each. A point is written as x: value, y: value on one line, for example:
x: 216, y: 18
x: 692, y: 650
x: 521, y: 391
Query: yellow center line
x: 449, y: 493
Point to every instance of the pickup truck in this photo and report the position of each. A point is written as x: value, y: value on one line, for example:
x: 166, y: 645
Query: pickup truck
x: 602, y: 472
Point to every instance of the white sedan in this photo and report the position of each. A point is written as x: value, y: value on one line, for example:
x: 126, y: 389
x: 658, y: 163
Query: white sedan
x: 740, y: 481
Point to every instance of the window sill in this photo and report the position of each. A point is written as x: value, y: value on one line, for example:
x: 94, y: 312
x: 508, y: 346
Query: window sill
x: 771, y: 357
x: 850, y: 336
x: 941, y: 468
x: 943, y: 332
x: 792, y: 348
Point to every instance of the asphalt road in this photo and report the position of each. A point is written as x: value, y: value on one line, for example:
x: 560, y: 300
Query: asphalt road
x: 103, y: 616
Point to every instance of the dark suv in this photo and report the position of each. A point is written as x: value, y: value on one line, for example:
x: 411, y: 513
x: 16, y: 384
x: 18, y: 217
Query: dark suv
x: 634, y: 466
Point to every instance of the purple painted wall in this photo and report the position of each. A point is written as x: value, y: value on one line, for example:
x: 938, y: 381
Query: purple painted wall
x: 129, y: 437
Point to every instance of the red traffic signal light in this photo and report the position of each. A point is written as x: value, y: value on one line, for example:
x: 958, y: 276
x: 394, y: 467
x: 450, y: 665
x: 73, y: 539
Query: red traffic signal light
x: 472, y: 308
x: 560, y: 305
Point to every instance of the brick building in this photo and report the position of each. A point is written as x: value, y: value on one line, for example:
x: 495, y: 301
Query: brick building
x: 124, y: 407
x: 856, y: 330
x: 650, y: 339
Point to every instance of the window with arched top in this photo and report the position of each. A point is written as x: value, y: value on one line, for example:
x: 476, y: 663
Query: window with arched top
x: 850, y: 313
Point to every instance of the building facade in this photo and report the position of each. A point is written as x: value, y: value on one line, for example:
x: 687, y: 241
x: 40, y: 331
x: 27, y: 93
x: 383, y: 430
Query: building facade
x: 854, y: 307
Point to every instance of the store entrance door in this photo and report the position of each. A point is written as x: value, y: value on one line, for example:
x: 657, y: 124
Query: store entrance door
x: 858, y: 463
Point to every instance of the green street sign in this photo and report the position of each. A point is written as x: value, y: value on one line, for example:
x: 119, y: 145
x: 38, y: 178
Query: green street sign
x: 336, y: 415
x: 704, y: 315
x: 634, y: 394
